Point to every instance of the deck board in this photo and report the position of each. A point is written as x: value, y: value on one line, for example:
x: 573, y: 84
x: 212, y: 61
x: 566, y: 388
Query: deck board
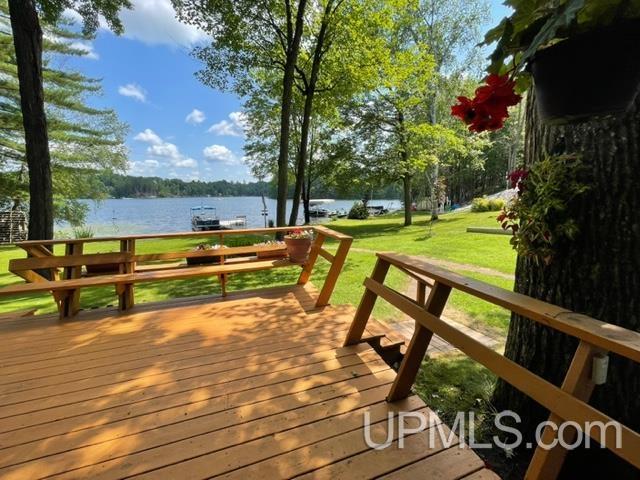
x: 254, y: 386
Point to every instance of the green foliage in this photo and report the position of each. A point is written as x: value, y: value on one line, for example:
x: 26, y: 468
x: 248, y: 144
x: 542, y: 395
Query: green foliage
x: 539, y: 216
x: 83, y: 140
x: 484, y: 204
x: 83, y: 232
x: 358, y: 212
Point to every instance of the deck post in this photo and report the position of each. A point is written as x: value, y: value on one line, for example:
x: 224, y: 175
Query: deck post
x: 71, y: 302
x: 334, y: 272
x: 311, y: 261
x: 546, y: 464
x: 418, y: 346
x: 126, y: 298
x: 366, y: 305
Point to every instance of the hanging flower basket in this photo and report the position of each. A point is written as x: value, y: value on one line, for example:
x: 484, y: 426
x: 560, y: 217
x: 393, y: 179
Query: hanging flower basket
x: 590, y: 75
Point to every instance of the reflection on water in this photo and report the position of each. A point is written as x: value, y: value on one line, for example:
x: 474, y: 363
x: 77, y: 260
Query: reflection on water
x: 154, y: 215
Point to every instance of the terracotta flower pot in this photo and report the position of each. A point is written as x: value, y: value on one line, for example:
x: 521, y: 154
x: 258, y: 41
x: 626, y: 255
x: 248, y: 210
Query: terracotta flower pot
x: 591, y: 75
x: 298, y: 249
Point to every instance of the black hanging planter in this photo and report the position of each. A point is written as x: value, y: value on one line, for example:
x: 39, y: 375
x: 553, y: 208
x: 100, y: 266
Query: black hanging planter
x: 591, y: 75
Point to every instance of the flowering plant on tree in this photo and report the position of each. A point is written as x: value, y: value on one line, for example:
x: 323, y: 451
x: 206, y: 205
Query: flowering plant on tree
x: 538, y: 214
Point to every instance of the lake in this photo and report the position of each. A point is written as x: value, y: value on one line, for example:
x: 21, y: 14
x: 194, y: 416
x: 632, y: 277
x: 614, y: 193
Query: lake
x: 125, y: 216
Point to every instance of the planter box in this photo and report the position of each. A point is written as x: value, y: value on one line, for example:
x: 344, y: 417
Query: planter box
x: 103, y: 268
x: 206, y: 260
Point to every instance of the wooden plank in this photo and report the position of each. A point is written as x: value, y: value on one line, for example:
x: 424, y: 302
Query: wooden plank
x: 154, y: 276
x: 113, y: 322
x: 18, y: 315
x: 315, y: 446
x: 316, y: 246
x: 418, y: 345
x: 452, y: 463
x: 211, y: 374
x: 159, y: 236
x: 366, y: 305
x: 28, y: 275
x: 156, y: 446
x: 546, y: 464
x: 67, y: 261
x: 126, y: 298
x: 545, y: 393
x: 374, y: 463
x: 118, y: 359
x: 601, y: 334
x: 329, y: 257
x: 149, y: 368
x: 334, y: 272
x: 51, y: 423
x: 483, y: 474
x: 222, y: 251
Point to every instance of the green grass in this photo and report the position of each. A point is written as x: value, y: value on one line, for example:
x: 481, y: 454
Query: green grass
x: 446, y: 239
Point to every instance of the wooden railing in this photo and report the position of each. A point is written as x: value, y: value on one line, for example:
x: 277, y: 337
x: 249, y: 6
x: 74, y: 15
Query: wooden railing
x: 42, y: 269
x: 566, y: 403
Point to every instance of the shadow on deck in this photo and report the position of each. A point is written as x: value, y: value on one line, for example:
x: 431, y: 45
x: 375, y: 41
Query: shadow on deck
x: 257, y: 385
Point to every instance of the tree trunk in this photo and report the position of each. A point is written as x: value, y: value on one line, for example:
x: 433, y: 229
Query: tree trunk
x: 285, y: 115
x: 406, y: 185
x: 27, y: 41
x: 598, y: 274
x: 302, y: 157
x: 310, y: 91
x: 433, y: 118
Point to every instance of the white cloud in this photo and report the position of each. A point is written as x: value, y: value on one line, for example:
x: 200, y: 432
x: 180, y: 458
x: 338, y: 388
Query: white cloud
x: 151, y: 163
x: 134, y: 91
x: 164, y: 151
x: 154, y: 22
x: 220, y: 153
x: 234, y: 127
x: 148, y: 136
x: 195, y: 117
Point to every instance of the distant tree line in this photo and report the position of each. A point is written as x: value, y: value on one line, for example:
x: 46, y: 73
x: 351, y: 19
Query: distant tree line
x: 126, y: 186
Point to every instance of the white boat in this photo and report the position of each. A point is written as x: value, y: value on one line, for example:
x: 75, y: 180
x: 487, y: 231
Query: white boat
x: 239, y: 222
x: 204, y: 218
x: 315, y: 207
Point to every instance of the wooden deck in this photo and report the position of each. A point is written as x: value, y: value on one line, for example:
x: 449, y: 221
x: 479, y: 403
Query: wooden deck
x: 255, y: 386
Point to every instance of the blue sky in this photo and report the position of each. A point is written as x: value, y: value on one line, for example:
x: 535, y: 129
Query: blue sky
x: 178, y: 127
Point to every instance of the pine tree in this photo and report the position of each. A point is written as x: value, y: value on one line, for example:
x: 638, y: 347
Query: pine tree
x: 83, y: 140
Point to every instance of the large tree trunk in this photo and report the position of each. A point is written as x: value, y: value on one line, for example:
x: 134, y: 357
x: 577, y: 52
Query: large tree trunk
x: 598, y: 274
x: 27, y: 40
x: 285, y: 115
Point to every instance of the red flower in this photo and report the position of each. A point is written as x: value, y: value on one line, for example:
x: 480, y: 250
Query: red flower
x: 517, y: 177
x: 464, y: 110
x: 489, y: 108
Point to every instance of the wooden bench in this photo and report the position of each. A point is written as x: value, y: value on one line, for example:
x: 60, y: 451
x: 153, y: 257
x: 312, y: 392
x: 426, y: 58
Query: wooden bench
x: 139, y: 268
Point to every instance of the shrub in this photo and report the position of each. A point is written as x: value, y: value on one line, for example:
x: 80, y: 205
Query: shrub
x: 83, y: 232
x: 496, y: 204
x: 485, y: 205
x: 358, y: 211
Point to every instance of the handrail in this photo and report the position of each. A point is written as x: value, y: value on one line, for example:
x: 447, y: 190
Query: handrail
x: 147, y: 236
x: 569, y: 402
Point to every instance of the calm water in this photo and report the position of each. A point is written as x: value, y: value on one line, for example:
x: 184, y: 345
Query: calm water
x: 155, y: 215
